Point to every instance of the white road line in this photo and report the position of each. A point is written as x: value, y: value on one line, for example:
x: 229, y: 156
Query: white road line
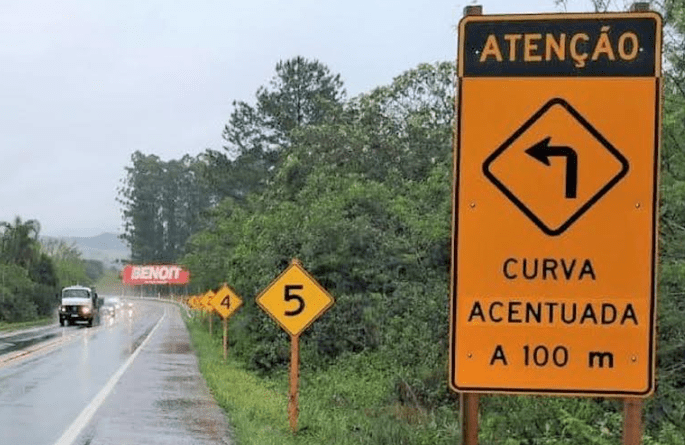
x: 82, y: 420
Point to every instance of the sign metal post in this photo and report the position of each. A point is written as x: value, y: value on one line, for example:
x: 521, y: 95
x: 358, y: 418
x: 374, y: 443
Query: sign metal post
x: 294, y: 300
x: 293, y: 405
x: 632, y: 421
x: 225, y: 339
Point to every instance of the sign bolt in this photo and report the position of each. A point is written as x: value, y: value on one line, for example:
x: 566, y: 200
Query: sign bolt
x: 637, y: 205
x: 469, y: 355
x: 472, y: 205
x: 633, y: 359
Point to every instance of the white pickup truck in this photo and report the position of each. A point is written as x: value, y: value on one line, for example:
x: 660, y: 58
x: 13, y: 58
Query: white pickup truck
x: 79, y: 303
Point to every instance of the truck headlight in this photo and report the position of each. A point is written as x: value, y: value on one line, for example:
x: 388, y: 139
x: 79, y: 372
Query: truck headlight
x: 63, y: 308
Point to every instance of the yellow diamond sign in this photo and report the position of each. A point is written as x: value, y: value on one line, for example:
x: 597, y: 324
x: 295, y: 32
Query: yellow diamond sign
x: 225, y: 302
x: 295, y: 299
x: 537, y: 168
x: 204, y: 301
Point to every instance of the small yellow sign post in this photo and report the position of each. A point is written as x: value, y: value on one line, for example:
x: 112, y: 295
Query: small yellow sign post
x: 294, y: 300
x: 225, y: 302
x: 204, y: 300
x: 208, y: 307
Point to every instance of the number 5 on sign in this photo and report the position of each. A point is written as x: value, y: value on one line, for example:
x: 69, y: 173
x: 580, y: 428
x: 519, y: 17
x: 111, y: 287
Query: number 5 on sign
x: 295, y: 299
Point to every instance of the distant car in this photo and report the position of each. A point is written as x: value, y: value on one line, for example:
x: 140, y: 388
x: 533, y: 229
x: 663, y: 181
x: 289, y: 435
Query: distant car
x: 115, y: 301
x: 108, y: 310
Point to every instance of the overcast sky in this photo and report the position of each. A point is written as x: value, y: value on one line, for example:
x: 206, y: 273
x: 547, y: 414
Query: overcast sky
x: 85, y: 83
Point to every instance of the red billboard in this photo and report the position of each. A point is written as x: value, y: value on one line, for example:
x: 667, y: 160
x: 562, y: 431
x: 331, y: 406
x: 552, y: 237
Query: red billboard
x: 155, y: 274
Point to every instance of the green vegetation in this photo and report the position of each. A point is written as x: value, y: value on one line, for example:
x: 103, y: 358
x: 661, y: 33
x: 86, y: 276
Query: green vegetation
x: 32, y: 273
x: 5, y: 326
x: 359, y: 190
x: 162, y: 202
x: 346, y: 404
x: 109, y: 282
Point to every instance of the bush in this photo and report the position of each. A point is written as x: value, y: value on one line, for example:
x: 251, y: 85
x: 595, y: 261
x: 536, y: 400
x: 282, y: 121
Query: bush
x: 17, y: 294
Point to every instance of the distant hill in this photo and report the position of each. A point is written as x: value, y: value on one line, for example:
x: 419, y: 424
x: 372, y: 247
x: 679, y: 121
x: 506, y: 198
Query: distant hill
x: 106, y: 247
x: 104, y: 241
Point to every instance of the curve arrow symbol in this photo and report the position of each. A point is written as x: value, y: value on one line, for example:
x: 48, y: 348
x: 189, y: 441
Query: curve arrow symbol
x: 542, y: 151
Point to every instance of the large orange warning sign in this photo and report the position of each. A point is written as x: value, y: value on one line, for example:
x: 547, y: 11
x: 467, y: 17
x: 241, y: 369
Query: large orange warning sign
x: 555, y: 204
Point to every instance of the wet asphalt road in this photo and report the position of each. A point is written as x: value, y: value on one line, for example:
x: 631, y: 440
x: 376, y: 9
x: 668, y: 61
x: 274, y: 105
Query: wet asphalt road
x: 21, y: 341
x: 132, y: 380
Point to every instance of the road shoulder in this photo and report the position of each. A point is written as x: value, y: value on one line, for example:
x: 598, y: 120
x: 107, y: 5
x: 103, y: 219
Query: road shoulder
x: 162, y: 398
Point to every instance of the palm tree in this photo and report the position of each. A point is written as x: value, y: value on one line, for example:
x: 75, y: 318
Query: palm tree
x: 20, y: 241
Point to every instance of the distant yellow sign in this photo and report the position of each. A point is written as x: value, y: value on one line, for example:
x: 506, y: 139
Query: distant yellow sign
x: 204, y: 301
x: 225, y: 302
x: 295, y: 299
x: 195, y: 302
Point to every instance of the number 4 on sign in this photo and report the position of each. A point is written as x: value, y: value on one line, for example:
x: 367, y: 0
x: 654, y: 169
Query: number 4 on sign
x: 225, y: 302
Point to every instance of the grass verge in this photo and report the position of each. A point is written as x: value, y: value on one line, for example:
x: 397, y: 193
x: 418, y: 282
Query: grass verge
x: 347, y: 404
x: 6, y: 327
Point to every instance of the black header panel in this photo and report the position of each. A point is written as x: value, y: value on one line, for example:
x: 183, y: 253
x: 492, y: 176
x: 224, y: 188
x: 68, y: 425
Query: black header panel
x: 611, y: 45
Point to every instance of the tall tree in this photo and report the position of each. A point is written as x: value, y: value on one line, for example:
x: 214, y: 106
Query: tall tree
x: 20, y: 241
x: 69, y: 268
x: 140, y: 196
x: 302, y: 93
x: 403, y: 128
x: 161, y: 204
